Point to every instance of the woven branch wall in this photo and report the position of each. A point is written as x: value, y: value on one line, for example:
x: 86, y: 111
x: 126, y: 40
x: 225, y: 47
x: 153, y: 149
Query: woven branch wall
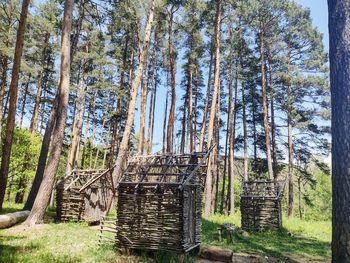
x: 159, y: 203
x: 261, y: 205
x: 84, y: 195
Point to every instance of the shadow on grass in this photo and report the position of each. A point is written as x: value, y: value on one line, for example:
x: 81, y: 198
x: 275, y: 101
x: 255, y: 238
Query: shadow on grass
x: 270, y: 243
x: 160, y: 256
x: 13, y: 249
x: 9, y: 253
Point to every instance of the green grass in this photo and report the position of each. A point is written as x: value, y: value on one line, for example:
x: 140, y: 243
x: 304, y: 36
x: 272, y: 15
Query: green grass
x: 70, y: 242
x: 296, y: 240
x: 77, y: 242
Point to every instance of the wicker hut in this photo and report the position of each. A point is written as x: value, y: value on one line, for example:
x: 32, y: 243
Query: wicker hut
x: 159, y: 202
x: 84, y: 195
x: 261, y: 205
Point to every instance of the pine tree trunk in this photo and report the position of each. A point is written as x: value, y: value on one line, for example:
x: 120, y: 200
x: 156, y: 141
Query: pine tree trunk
x: 232, y: 140
x: 77, y: 127
x: 144, y: 94
x: 190, y: 113
x: 165, y: 110
x: 209, y: 180
x: 195, y: 112
x: 20, y: 192
x: 5, y: 64
x: 42, y: 158
x: 123, y: 149
x: 7, y: 144
x: 228, y: 127
x: 206, y: 105
x: 24, y: 100
x: 3, y: 89
x: 299, y: 194
x: 34, y: 119
x: 245, y: 137
x: 216, y: 171
x: 183, y: 129
x: 255, y: 151
x: 171, y: 119
x: 93, y: 129
x: 273, y: 125
x: 43, y: 108
x: 290, y: 147
x: 152, y: 104
x: 42, y: 199
x: 83, y: 155
x: 339, y: 28
x: 265, y: 110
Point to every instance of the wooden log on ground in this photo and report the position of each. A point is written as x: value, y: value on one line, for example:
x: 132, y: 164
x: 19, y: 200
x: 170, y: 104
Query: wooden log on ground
x: 11, y: 219
x: 216, y: 253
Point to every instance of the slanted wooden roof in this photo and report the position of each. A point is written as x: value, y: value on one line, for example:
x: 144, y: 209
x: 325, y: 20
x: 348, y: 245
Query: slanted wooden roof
x: 262, y: 189
x: 175, y: 170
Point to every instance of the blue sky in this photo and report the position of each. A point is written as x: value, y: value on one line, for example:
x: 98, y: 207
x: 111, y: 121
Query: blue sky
x: 319, y: 14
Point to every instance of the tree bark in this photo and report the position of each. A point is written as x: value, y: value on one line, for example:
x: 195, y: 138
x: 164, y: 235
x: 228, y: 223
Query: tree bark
x: 34, y: 119
x: 171, y: 119
x: 229, y: 125
x: 339, y: 28
x: 265, y: 110
x: 144, y: 93
x: 5, y: 64
x: 7, y: 145
x: 165, y: 110
x: 245, y: 137
x: 206, y: 105
x: 183, y: 129
x: 131, y: 108
x: 244, y: 120
x: 3, y: 89
x: 77, y: 127
x: 42, y: 199
x: 190, y: 113
x: 153, y: 102
x: 290, y: 145
x: 232, y: 140
x: 39, y: 174
x: 216, y: 170
x: 209, y: 180
x: 273, y: 124
x: 93, y: 129
x: 82, y: 165
x: 24, y: 100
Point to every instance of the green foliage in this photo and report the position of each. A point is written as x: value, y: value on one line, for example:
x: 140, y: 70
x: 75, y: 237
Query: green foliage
x: 321, y: 198
x: 24, y: 157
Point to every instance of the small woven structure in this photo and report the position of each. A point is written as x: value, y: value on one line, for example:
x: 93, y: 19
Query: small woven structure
x: 84, y: 195
x: 261, y: 205
x: 159, y: 202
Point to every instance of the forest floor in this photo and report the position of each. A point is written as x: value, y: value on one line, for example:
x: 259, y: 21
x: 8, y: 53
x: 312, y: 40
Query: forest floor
x: 298, y: 241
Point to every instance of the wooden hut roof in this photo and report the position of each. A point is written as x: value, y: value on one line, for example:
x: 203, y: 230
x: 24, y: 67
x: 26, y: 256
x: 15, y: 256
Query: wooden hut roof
x: 262, y: 189
x: 165, y: 170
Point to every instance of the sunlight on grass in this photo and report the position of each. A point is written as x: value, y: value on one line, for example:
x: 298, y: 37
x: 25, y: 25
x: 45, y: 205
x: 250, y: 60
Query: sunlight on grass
x: 297, y: 239
x: 78, y: 242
